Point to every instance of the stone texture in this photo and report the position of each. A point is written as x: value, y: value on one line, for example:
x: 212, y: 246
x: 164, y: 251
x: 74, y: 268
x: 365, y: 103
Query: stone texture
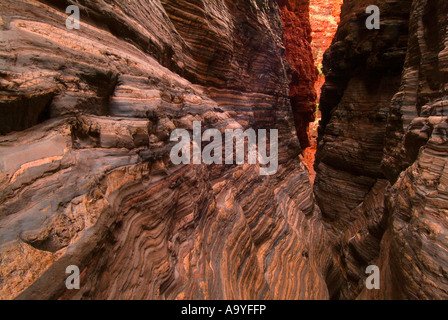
x: 296, y: 39
x: 381, y: 157
x: 414, y: 252
x: 85, y: 174
x: 324, y: 19
x: 86, y: 179
x: 363, y: 70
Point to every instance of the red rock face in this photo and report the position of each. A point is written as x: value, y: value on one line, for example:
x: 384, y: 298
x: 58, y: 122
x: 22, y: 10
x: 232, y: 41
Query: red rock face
x: 324, y: 18
x: 303, y: 74
x: 86, y: 177
x: 85, y: 171
x: 303, y: 21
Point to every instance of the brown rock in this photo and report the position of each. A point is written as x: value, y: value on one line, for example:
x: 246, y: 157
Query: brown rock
x: 296, y: 39
x: 368, y: 102
x: 86, y: 177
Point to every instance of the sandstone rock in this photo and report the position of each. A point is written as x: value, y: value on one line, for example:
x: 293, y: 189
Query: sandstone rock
x: 86, y: 177
x: 324, y: 19
x: 296, y: 39
x: 368, y: 102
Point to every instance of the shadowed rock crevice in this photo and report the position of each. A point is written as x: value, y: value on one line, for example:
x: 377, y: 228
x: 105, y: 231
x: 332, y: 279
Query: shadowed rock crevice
x: 363, y: 72
x: 20, y: 113
x: 302, y: 73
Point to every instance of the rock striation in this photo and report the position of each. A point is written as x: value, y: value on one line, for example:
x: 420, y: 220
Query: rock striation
x: 85, y: 173
x: 324, y: 19
x: 381, y: 182
x: 86, y: 177
x: 303, y: 75
x: 414, y: 251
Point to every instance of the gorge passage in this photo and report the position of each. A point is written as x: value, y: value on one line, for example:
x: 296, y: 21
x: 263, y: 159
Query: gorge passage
x: 86, y: 177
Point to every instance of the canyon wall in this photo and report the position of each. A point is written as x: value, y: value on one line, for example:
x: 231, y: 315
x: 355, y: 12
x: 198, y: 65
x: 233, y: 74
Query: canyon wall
x: 324, y: 19
x: 381, y: 160
x: 85, y: 173
x: 303, y: 75
x: 86, y: 177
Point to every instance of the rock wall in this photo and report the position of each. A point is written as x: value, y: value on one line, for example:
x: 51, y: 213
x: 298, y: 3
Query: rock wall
x: 381, y: 182
x: 303, y: 75
x: 414, y: 251
x: 324, y: 19
x: 86, y: 178
x: 85, y: 173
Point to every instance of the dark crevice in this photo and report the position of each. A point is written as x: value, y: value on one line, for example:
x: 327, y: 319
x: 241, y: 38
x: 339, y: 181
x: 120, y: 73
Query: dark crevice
x: 24, y: 112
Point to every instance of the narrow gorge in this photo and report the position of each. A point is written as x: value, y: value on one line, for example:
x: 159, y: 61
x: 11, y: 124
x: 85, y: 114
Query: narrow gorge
x: 86, y: 139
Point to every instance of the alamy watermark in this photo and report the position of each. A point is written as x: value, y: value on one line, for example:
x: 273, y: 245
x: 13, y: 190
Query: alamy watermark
x: 373, y: 21
x: 257, y: 151
x: 72, y: 22
x: 72, y: 282
x: 373, y: 280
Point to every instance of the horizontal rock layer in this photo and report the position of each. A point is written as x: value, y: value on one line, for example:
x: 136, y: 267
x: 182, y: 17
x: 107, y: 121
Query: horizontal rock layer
x: 381, y: 182
x: 85, y: 173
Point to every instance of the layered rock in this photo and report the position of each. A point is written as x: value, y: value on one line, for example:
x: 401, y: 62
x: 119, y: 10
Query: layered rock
x: 297, y: 39
x: 85, y: 173
x: 363, y: 70
x: 86, y: 177
x: 381, y: 182
x: 303, y: 75
x: 324, y: 19
x: 414, y: 251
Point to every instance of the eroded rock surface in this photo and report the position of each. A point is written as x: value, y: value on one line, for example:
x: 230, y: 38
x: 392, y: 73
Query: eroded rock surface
x: 381, y: 178
x: 86, y: 178
x: 303, y: 74
x: 324, y: 20
x: 85, y: 173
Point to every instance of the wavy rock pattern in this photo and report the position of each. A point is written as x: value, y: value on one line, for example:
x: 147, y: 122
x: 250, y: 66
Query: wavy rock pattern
x: 86, y: 178
x: 415, y: 249
x: 381, y: 178
x: 297, y: 39
x: 363, y: 70
x: 85, y: 174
